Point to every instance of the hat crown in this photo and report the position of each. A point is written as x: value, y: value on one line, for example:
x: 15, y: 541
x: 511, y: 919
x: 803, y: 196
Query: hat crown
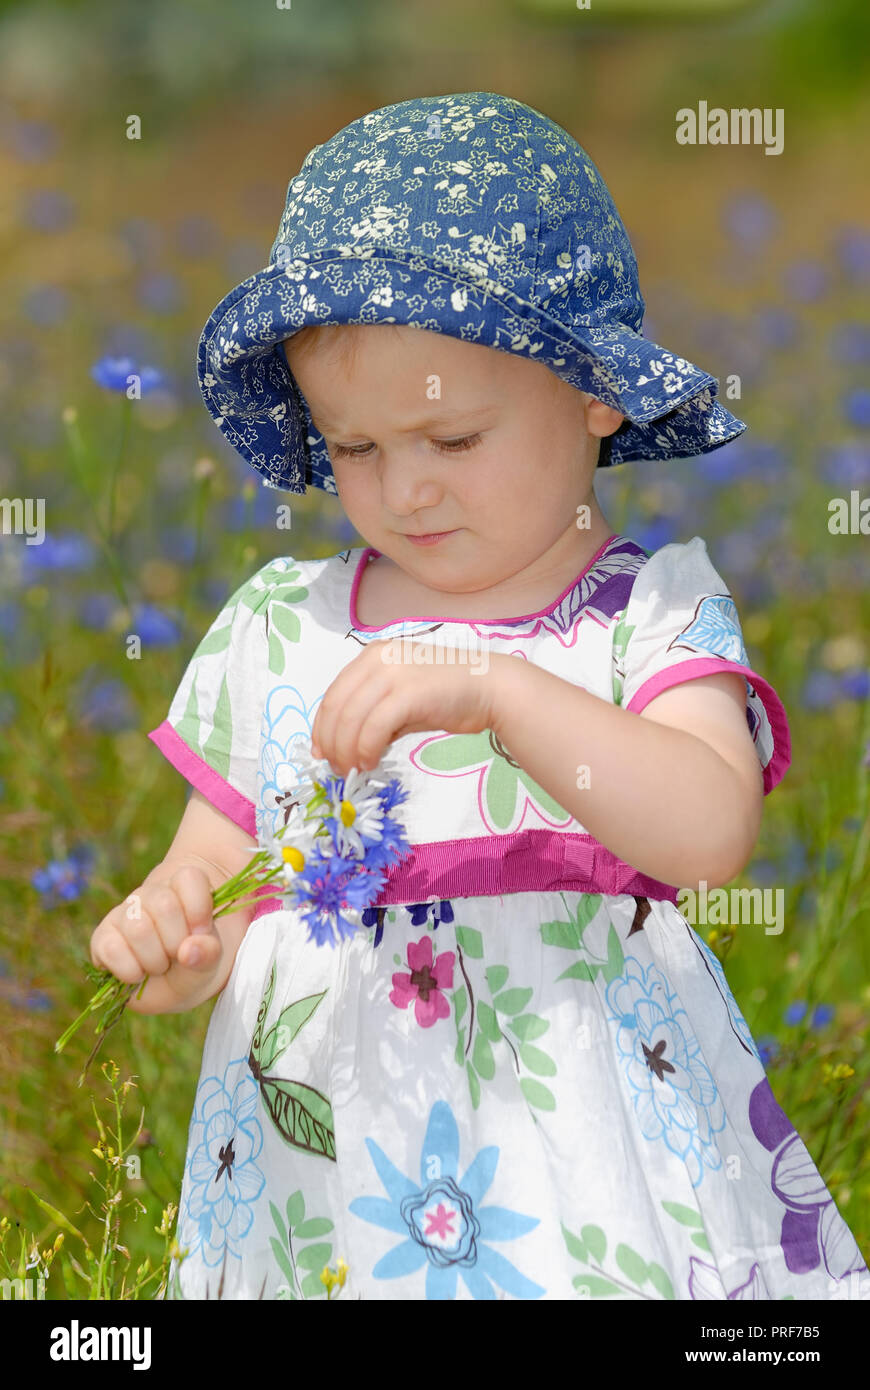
x: 479, y: 185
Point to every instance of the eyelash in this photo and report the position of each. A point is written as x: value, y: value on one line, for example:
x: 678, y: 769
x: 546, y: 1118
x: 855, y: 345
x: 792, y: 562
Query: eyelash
x: 459, y: 446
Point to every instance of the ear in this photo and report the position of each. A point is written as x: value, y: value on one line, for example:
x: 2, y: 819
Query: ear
x: 601, y: 419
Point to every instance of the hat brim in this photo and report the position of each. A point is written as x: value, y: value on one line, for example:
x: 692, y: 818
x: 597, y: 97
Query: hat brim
x: 669, y: 404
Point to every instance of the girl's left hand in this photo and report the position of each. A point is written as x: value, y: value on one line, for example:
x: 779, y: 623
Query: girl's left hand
x: 378, y: 698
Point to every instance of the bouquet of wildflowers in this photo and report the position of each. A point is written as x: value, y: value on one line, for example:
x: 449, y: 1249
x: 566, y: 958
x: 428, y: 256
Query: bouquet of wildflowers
x: 328, y: 861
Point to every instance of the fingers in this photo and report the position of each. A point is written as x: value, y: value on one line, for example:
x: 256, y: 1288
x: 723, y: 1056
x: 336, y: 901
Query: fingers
x: 360, y: 689
x: 158, y: 924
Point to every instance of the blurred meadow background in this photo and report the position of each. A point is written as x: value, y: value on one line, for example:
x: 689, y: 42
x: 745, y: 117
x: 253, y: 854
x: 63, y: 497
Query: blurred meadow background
x: 113, y: 252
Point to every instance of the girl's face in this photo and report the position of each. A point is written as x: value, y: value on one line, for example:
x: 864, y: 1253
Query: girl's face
x: 428, y: 433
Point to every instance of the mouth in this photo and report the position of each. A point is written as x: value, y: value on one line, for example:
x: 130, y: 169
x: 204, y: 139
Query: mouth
x: 429, y: 538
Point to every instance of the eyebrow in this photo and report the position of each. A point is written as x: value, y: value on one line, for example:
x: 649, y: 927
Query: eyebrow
x: 444, y: 418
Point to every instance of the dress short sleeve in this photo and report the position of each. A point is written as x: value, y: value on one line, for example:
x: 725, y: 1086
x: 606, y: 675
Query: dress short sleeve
x: 681, y: 623
x: 212, y: 731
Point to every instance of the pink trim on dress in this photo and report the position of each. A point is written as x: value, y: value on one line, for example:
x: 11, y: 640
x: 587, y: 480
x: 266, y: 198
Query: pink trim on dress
x: 524, y: 862
x: 713, y: 666
x: 216, y: 788
x: 485, y: 622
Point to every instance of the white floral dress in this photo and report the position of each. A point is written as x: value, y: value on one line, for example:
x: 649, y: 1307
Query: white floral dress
x: 526, y: 1076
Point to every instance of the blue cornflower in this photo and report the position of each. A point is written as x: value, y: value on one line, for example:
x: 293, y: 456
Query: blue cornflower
x: 160, y: 292
x: 855, y: 685
x: 822, y: 1015
x: 155, y: 627
x: 806, y: 281
x: 69, y: 551
x: 821, y: 691
x: 48, y: 210
x: 848, y: 465
x: 795, y: 1012
x: 112, y: 372
x: 108, y: 706
x: 750, y: 218
x: 850, y: 343
x: 46, y: 305
x: 330, y: 885
x: 62, y: 880
x: 776, y: 327
x: 853, y: 248
x: 768, y: 1047
x: 857, y: 408
x: 96, y: 610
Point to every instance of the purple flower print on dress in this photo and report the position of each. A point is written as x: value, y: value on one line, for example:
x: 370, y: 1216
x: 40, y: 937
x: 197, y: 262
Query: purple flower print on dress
x: 705, y: 1283
x: 425, y: 984
x: 812, y: 1228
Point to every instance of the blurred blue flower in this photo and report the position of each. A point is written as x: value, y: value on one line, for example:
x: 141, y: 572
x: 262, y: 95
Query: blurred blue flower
x: 653, y: 534
x: 46, y: 305
x: 160, y: 292
x: 178, y: 543
x: 847, y: 465
x: 155, y: 627
x: 9, y: 616
x: 768, y: 1047
x: 855, y: 685
x: 806, y: 281
x: 822, y: 1015
x: 857, y: 408
x: 750, y: 218
x: 96, y: 610
x: 215, y: 591
x: 776, y: 328
x: 343, y: 530
x: 821, y: 690
x: 64, y: 879
x: 141, y: 235
x: 108, y: 706
x: 48, y: 210
x: 8, y: 707
x: 853, y: 249
x: 795, y: 1012
x: 765, y: 872
x: 69, y: 551
x: 31, y: 140
x: 724, y: 465
x: 196, y: 236
x: 112, y: 374
x: 850, y: 343
x: 38, y: 1002
x: 265, y: 502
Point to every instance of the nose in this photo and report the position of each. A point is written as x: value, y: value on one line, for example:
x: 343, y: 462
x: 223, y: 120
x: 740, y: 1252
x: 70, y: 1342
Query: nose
x: 406, y: 481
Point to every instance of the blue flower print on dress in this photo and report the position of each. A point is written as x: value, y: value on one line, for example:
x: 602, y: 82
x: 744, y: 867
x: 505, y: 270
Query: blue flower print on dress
x: 445, y: 1226
x: 287, y: 721
x: 675, y: 1097
x: 222, y: 1178
x: 715, y: 628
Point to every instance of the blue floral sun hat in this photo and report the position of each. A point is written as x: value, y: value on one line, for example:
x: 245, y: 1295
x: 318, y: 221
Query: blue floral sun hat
x: 473, y: 215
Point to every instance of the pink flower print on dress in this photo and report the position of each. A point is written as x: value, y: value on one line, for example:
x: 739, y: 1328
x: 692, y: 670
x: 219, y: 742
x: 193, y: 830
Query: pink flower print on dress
x: 425, y: 985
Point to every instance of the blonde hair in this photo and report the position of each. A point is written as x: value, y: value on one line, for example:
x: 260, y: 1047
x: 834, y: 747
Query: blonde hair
x: 343, y: 337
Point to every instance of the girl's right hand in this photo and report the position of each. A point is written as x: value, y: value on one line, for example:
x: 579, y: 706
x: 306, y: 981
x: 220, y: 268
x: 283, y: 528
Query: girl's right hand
x: 164, y: 929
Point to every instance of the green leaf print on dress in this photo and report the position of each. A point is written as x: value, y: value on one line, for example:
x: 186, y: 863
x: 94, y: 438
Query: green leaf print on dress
x: 486, y: 1025
x: 568, y: 935
x: 311, y: 1258
x: 621, y: 637
x: 506, y: 789
x: 301, y: 1114
x: 631, y: 1273
x: 272, y: 590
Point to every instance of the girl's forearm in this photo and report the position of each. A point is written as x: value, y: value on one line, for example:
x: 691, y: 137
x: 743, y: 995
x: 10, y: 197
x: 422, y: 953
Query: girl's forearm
x: 658, y: 798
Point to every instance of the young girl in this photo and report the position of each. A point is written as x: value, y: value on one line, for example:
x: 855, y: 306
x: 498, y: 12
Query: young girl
x: 526, y: 1075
